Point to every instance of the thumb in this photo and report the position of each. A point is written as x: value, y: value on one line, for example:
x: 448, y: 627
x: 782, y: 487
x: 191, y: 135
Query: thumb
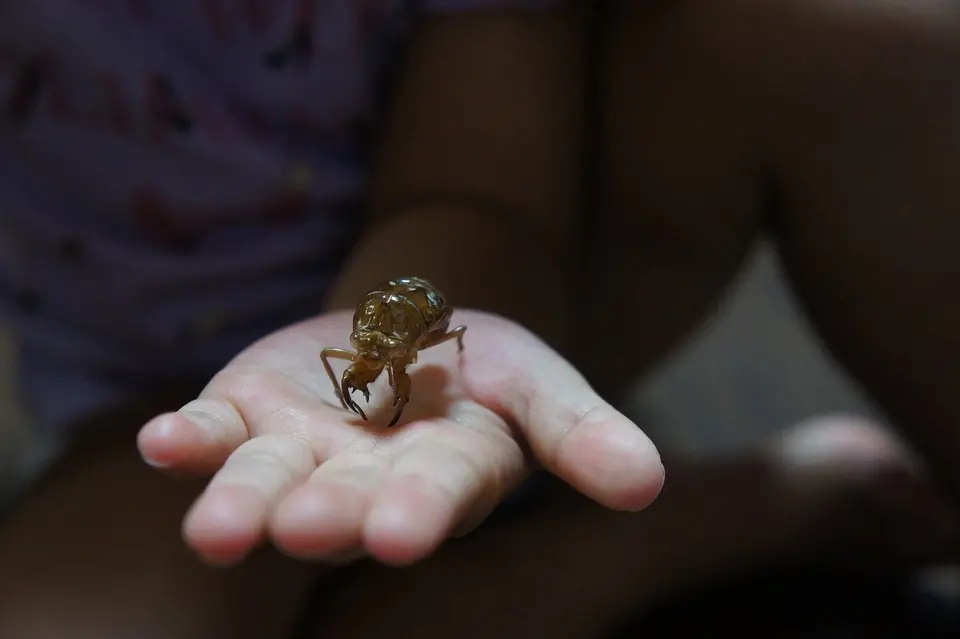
x: 570, y: 429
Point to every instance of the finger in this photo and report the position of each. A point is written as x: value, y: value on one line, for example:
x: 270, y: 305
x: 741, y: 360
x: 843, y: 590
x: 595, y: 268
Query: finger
x: 433, y: 486
x: 323, y: 517
x: 230, y: 518
x: 198, y: 438
x: 571, y: 430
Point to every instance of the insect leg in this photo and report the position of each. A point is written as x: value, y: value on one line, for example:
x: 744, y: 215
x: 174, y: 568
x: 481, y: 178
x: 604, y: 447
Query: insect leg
x: 358, y: 377
x: 347, y: 387
x: 337, y: 353
x: 401, y: 393
x: 454, y: 333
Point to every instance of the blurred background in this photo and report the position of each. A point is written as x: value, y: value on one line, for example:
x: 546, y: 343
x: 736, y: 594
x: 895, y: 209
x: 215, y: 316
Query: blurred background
x: 755, y: 369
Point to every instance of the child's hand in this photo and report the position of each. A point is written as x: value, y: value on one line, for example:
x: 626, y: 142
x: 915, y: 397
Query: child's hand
x: 319, y: 482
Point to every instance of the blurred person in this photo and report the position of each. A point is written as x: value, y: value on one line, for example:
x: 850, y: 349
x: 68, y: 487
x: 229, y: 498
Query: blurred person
x: 255, y: 410
x: 829, y: 126
x: 181, y: 179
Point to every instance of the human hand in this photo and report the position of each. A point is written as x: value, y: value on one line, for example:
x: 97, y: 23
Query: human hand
x: 319, y: 482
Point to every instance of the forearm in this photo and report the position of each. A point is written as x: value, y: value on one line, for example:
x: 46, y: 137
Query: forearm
x: 480, y: 260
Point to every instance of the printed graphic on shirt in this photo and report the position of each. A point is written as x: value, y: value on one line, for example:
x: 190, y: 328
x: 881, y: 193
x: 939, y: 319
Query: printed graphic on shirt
x: 221, y: 116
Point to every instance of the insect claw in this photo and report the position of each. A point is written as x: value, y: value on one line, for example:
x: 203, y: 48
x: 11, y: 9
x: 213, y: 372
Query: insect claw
x: 347, y: 389
x: 359, y: 411
x: 356, y: 406
x: 396, y: 416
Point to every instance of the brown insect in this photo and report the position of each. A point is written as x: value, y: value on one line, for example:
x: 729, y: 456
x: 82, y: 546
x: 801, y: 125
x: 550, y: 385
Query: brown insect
x: 392, y: 323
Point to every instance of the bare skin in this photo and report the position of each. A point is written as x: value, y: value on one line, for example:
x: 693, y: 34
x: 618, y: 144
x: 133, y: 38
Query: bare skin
x: 831, y: 124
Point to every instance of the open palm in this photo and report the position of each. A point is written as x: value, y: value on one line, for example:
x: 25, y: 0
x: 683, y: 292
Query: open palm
x: 320, y: 482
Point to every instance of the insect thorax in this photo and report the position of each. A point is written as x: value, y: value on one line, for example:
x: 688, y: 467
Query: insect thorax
x: 392, y: 319
x: 429, y: 301
x: 389, y: 318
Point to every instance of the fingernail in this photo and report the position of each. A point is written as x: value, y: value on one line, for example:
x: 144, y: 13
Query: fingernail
x: 202, y: 419
x: 153, y: 463
x: 158, y: 428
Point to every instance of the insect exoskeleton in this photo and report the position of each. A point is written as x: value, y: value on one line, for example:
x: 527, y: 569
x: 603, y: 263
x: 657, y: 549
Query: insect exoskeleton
x: 392, y: 323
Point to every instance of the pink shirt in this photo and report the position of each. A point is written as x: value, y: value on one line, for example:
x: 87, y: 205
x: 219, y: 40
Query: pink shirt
x: 178, y: 178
